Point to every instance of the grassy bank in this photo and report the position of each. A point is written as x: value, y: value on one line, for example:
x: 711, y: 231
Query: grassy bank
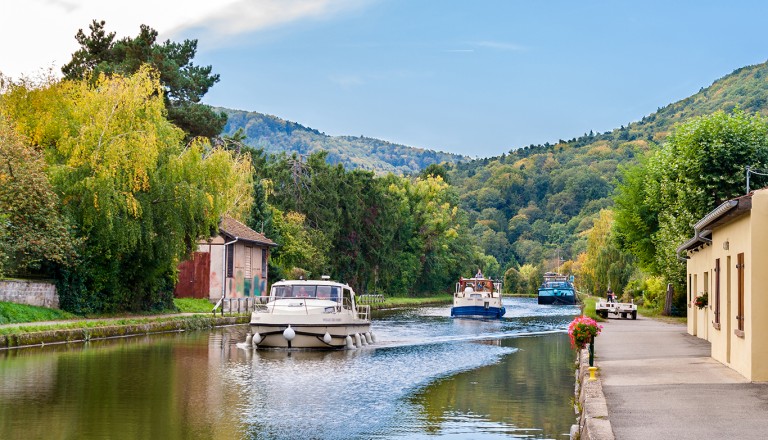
x: 11, y: 313
x: 393, y: 302
x: 588, y: 307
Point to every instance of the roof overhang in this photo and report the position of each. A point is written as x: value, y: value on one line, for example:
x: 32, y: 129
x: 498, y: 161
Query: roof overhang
x: 721, y: 215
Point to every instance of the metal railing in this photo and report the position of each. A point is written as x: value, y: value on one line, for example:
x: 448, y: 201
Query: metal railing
x: 371, y: 299
x: 236, y: 306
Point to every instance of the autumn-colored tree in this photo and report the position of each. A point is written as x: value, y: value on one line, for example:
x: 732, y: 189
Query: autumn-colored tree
x: 139, y: 197
x: 183, y: 82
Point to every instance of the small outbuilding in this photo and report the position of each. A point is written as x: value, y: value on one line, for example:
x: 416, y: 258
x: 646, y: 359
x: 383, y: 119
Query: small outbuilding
x: 727, y: 281
x: 231, y: 264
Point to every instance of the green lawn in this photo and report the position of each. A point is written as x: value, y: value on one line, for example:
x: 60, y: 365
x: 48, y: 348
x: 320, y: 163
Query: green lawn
x: 12, y: 313
x: 193, y: 305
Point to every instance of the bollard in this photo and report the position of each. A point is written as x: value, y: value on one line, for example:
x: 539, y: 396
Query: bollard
x: 592, y: 377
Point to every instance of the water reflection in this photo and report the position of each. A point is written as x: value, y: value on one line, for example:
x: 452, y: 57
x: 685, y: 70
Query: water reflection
x: 429, y: 375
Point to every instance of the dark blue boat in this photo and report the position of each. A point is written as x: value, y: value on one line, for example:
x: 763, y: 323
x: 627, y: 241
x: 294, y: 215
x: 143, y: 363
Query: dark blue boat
x: 557, y: 289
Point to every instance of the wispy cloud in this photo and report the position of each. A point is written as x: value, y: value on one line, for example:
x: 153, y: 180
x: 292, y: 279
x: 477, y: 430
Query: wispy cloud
x: 244, y: 16
x: 500, y: 45
x: 347, y: 81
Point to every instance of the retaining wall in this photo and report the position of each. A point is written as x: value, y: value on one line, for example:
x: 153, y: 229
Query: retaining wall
x: 591, y: 407
x: 33, y: 293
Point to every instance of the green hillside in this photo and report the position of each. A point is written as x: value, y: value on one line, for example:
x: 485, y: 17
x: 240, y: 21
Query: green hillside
x: 526, y: 205
x: 276, y: 135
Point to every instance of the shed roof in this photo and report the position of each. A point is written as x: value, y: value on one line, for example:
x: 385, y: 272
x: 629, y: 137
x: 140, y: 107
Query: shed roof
x: 235, y: 229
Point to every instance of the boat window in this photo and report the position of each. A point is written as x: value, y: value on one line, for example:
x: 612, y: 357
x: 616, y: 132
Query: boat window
x: 280, y: 291
x: 328, y: 292
x: 304, y: 291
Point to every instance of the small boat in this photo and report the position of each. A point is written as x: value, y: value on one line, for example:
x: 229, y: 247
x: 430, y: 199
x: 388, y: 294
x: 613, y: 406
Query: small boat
x: 310, y: 314
x: 477, y: 297
x: 557, y: 289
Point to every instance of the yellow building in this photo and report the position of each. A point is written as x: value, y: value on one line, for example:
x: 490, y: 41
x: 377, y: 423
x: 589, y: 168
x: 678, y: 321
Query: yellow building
x: 727, y: 260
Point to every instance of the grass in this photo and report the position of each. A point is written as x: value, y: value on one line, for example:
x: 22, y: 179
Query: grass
x: 193, y: 305
x: 412, y: 301
x: 588, y: 308
x: 11, y: 313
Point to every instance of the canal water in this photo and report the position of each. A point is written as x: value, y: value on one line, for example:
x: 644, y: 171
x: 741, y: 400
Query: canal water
x: 427, y: 377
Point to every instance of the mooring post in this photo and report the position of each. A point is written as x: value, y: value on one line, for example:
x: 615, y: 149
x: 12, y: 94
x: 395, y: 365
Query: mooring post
x: 592, y: 367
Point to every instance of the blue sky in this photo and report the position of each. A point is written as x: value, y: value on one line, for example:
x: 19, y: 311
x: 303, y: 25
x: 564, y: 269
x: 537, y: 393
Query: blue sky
x: 472, y: 77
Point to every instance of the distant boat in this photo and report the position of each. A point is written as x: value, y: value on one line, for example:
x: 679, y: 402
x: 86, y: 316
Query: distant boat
x: 477, y: 298
x: 311, y: 314
x: 557, y: 289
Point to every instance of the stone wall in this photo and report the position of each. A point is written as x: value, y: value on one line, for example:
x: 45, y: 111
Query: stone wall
x: 34, y: 293
x: 591, y: 408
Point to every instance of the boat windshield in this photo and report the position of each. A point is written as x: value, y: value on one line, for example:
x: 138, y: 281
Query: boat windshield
x: 307, y: 291
x: 557, y: 285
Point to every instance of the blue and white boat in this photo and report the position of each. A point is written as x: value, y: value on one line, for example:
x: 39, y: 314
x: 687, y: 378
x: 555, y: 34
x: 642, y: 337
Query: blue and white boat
x: 477, y: 297
x: 557, y: 289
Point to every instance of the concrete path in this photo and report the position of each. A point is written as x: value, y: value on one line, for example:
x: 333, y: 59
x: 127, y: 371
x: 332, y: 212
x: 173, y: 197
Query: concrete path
x: 660, y: 383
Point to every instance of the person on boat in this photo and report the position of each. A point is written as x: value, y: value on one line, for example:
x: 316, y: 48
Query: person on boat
x: 303, y: 293
x: 611, y: 296
x: 479, y: 273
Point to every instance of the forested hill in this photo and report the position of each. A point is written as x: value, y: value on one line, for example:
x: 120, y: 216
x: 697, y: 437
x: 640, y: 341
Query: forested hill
x: 527, y: 204
x: 276, y: 135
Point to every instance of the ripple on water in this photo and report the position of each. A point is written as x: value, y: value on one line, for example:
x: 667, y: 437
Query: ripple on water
x: 362, y: 393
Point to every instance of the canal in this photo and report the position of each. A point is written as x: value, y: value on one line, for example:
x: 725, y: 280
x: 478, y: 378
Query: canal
x: 428, y: 376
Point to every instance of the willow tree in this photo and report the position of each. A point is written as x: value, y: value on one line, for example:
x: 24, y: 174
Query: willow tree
x: 139, y: 197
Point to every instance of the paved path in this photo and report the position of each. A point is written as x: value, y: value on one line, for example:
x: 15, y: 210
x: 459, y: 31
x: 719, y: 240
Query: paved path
x: 660, y: 383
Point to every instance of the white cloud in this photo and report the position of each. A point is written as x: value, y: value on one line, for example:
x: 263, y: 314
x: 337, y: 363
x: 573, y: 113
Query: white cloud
x: 39, y: 34
x: 243, y: 16
x: 501, y: 45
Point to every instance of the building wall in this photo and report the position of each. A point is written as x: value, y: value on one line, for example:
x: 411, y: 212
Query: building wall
x: 747, y: 351
x: 33, y: 293
x: 700, y: 272
x: 757, y: 283
x: 248, y: 278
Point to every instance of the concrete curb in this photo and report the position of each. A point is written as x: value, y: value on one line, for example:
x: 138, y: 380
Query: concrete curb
x: 591, y: 409
x: 66, y: 335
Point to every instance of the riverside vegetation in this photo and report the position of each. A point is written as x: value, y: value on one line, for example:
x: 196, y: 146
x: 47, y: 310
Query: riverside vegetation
x: 111, y: 175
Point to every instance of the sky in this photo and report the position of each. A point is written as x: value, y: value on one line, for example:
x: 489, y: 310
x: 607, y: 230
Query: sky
x: 473, y: 77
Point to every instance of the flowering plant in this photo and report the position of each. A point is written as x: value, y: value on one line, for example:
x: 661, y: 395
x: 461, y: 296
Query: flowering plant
x: 581, y: 330
x: 701, y: 301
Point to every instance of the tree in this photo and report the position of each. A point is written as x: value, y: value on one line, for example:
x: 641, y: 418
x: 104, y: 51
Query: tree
x: 605, y: 265
x: 138, y: 197
x: 184, y: 83
x: 701, y: 165
x: 32, y: 230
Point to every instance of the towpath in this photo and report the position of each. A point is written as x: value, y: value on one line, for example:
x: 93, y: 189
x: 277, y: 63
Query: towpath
x: 661, y: 383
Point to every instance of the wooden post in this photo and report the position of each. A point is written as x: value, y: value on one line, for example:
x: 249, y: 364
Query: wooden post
x: 668, y: 300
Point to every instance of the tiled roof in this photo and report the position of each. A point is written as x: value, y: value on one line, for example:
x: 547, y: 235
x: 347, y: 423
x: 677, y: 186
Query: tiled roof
x: 234, y: 228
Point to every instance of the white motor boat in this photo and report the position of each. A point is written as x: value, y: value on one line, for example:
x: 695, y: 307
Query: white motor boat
x: 477, y: 297
x: 311, y: 314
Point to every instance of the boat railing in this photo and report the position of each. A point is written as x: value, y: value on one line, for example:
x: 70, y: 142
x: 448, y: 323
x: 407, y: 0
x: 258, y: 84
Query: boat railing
x: 364, y: 312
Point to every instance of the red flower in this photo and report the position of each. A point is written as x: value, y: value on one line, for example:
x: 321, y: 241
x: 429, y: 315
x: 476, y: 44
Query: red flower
x: 581, y: 330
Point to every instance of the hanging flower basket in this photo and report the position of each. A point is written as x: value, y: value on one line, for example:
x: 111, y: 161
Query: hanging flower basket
x: 581, y: 331
x: 701, y: 301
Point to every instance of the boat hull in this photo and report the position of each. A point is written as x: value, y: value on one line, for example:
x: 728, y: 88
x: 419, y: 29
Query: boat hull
x: 477, y: 312
x: 306, y: 336
x: 559, y: 298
